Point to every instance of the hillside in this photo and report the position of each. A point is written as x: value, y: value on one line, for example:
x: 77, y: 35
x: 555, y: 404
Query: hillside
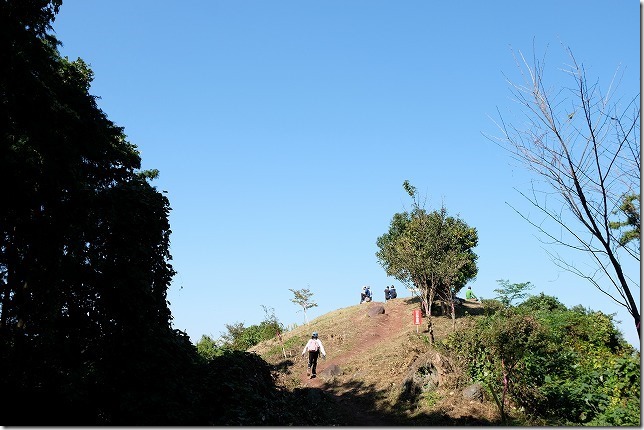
x: 379, y: 370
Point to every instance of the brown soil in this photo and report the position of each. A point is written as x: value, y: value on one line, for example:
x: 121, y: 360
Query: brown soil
x: 378, y: 331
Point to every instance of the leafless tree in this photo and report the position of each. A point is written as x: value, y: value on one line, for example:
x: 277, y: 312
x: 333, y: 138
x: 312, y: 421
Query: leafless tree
x: 303, y: 298
x: 583, y: 146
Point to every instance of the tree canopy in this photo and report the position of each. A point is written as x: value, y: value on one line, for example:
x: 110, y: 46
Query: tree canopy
x: 303, y: 298
x: 84, y: 246
x: 430, y: 252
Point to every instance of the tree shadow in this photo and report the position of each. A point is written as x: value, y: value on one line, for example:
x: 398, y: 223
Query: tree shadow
x: 283, y: 366
x: 356, y: 403
x: 412, y: 299
x: 465, y: 308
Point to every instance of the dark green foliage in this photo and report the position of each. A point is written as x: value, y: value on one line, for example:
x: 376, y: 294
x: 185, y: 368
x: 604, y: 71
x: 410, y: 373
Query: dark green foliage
x: 542, y: 302
x: 241, y: 387
x: 564, y: 367
x: 492, y: 306
x: 32, y: 16
x: 85, y: 328
x: 240, y: 390
x: 630, y: 207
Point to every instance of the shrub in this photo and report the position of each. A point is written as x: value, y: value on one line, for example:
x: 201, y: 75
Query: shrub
x: 542, y: 302
x: 492, y: 306
x: 564, y: 366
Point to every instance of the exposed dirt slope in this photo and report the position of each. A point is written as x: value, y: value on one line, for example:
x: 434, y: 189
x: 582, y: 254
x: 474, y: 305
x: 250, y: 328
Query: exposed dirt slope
x: 375, y: 356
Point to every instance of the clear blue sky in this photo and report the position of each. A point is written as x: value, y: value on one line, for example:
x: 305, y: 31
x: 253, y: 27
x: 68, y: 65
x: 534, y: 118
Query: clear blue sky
x: 283, y: 131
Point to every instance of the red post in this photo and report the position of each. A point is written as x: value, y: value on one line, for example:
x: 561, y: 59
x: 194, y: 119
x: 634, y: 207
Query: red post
x: 417, y: 318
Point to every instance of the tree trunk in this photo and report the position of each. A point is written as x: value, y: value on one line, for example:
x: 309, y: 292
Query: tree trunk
x: 505, y: 390
x: 430, y: 326
x: 627, y: 292
x: 453, y: 315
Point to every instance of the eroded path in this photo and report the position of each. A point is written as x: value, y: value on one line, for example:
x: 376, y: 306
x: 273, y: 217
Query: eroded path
x: 379, y: 328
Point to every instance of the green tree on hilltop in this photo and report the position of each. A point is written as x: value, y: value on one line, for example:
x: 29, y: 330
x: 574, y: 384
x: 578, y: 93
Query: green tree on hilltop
x: 508, y: 292
x: 303, y: 299
x: 430, y: 252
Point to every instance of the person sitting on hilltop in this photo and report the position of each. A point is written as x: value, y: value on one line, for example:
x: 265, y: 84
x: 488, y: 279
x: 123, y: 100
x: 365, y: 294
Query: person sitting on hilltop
x: 392, y: 292
x: 367, y: 294
x: 469, y: 294
x: 387, y: 296
x: 364, y: 294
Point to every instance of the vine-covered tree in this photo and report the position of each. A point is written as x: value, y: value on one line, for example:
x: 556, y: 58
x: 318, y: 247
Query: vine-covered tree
x: 431, y: 253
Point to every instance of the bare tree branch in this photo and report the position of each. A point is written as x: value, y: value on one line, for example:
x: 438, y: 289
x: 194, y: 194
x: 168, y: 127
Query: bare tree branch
x: 583, y: 148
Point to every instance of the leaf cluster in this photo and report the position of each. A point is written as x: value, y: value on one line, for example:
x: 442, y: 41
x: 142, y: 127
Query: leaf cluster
x: 630, y: 207
x: 430, y: 250
x: 508, y: 292
x: 302, y: 298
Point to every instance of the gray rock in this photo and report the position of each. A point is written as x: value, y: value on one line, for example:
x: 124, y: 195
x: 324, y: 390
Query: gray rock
x: 473, y: 392
x: 331, y: 371
x: 376, y: 310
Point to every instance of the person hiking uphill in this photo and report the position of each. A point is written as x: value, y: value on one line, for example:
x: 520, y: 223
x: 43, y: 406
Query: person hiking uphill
x: 314, y: 347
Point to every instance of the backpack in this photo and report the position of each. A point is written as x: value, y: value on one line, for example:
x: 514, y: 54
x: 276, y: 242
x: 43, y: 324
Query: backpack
x: 312, y: 345
x: 392, y: 294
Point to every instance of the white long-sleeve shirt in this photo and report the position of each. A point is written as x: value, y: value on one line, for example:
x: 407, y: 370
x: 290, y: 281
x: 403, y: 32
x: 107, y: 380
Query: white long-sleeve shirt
x: 320, y: 347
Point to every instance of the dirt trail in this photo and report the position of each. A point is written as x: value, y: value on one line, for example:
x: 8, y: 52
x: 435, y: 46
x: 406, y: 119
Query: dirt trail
x: 381, y: 328
x: 383, y: 325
